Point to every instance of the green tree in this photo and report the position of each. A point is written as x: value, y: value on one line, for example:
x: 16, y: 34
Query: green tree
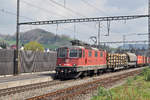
x: 3, y: 45
x: 34, y: 46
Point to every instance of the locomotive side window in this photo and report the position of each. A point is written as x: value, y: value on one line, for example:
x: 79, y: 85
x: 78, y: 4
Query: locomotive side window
x: 83, y: 53
x: 90, y: 53
x: 96, y: 54
x: 73, y: 53
x: 80, y: 53
x: 62, y: 52
x: 101, y: 54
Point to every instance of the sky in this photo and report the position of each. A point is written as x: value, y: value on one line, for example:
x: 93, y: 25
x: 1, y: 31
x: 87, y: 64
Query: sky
x: 38, y: 10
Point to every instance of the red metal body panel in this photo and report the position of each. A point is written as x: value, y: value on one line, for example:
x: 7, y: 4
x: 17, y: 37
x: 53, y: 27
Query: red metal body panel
x: 141, y: 60
x: 95, y: 60
x: 85, y: 60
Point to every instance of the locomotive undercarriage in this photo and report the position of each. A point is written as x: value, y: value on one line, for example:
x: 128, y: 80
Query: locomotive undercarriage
x: 76, y: 72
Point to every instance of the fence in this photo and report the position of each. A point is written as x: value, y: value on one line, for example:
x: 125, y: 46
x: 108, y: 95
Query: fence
x: 6, y: 62
x: 29, y: 61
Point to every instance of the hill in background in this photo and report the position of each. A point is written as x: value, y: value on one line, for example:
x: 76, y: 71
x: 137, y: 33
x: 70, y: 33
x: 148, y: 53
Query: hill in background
x: 47, y: 39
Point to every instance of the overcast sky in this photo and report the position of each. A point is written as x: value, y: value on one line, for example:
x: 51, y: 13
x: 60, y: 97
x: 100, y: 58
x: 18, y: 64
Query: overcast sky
x: 34, y: 10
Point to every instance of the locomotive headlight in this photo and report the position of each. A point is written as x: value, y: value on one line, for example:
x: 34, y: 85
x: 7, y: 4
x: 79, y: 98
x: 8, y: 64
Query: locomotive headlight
x: 74, y: 65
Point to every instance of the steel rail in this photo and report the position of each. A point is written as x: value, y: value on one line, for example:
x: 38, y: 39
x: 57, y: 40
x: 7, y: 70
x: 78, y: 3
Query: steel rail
x: 14, y: 90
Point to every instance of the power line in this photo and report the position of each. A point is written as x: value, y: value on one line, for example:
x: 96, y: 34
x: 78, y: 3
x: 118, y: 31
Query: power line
x: 40, y: 8
x: 54, y: 5
x: 48, y: 11
x: 45, y: 10
x: 89, y: 4
x: 71, y: 10
x: 14, y: 14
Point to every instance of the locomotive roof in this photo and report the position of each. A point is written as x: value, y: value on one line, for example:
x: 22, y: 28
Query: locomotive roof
x: 95, y: 49
x: 81, y: 47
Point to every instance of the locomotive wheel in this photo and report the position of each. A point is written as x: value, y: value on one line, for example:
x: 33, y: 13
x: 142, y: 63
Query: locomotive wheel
x: 91, y: 73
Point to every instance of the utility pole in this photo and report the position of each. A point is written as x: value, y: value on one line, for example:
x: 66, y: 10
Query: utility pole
x: 149, y: 30
x: 99, y: 30
x: 16, y: 69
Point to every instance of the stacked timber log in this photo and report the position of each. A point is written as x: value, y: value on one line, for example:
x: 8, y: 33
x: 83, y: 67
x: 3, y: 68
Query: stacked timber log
x: 116, y: 60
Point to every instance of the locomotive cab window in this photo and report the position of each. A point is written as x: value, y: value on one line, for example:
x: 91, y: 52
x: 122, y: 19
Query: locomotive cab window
x: 73, y: 53
x: 80, y: 53
x: 62, y: 52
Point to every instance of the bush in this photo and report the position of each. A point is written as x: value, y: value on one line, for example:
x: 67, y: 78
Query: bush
x: 129, y: 81
x: 34, y: 46
x: 146, y: 74
x: 103, y: 93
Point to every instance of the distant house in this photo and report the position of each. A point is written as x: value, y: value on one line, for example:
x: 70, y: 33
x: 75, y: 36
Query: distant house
x: 47, y: 50
x: 13, y: 47
x: 22, y: 48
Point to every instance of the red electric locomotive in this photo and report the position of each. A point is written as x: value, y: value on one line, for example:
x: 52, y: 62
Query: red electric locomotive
x: 81, y: 59
x: 72, y: 61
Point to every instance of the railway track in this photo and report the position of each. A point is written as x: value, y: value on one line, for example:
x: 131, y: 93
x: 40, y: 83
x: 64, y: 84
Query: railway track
x: 70, y: 92
x: 55, y: 83
x: 14, y: 90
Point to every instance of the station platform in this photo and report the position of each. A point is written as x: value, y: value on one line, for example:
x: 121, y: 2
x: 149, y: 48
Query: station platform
x: 25, y: 79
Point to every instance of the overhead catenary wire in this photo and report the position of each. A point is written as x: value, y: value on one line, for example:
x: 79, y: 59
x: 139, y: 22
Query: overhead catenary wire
x: 35, y: 6
x: 68, y: 9
x: 93, y: 6
x: 40, y: 8
x: 43, y: 9
x: 14, y: 14
x: 49, y: 11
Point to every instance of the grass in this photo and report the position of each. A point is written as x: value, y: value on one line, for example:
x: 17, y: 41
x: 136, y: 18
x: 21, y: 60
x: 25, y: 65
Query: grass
x: 136, y: 88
